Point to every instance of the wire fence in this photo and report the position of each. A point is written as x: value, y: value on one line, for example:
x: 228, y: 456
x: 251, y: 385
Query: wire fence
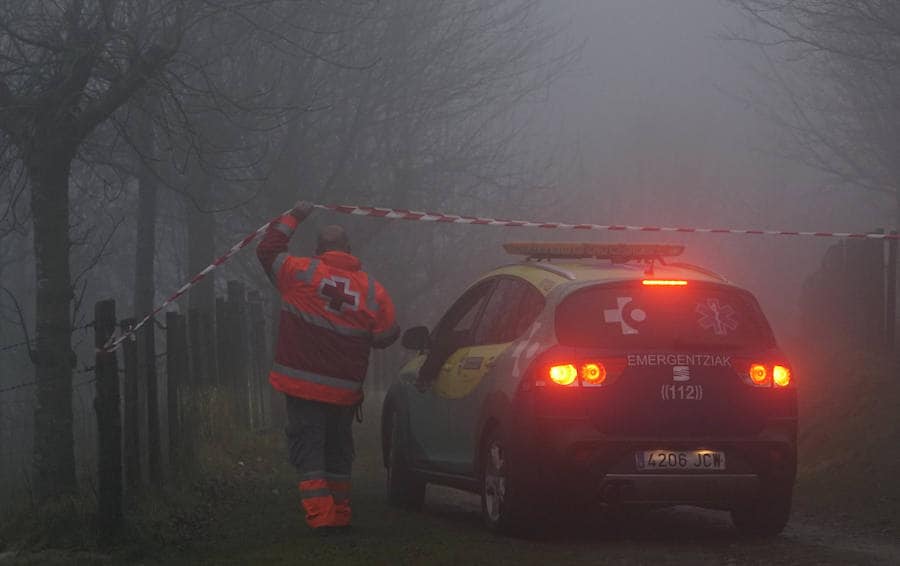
x: 28, y: 343
x: 155, y: 380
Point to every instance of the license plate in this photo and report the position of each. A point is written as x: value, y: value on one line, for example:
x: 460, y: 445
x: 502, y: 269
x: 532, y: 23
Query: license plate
x: 680, y: 460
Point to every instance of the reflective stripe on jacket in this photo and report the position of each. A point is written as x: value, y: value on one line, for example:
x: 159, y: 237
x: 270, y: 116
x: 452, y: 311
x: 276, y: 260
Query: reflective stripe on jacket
x: 332, y: 314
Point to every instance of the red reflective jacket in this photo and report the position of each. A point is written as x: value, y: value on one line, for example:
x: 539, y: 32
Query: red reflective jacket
x: 332, y: 314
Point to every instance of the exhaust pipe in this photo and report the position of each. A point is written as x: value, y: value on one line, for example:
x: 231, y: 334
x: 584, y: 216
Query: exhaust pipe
x: 611, y: 493
x: 616, y: 492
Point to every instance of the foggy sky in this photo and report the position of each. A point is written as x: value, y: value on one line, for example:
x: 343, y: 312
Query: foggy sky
x: 658, y: 127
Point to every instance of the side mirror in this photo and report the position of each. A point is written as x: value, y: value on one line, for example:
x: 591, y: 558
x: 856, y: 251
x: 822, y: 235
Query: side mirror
x: 416, y: 338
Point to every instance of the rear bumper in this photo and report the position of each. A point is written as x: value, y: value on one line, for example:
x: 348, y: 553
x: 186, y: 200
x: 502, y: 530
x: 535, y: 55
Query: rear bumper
x: 572, y: 461
x: 672, y: 489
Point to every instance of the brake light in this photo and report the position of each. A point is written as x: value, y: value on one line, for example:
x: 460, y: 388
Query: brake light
x: 758, y: 374
x: 593, y: 373
x: 664, y: 282
x: 563, y: 374
x: 781, y: 376
x: 588, y: 373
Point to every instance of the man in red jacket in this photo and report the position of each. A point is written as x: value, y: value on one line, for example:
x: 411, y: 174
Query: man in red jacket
x: 332, y: 314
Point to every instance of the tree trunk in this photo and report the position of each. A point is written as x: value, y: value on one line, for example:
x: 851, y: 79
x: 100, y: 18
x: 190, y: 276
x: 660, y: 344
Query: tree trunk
x: 3, y: 368
x: 109, y: 425
x: 144, y: 292
x: 54, y: 455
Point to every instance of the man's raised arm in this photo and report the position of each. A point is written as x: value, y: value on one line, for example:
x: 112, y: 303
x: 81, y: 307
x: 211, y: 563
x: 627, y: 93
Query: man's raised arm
x: 272, y: 251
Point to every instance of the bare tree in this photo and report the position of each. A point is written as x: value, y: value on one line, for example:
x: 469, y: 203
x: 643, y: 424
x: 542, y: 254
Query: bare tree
x: 836, y: 66
x: 237, y: 105
x: 66, y: 68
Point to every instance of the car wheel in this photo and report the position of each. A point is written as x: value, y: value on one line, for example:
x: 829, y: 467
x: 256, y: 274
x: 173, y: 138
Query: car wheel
x: 504, y: 509
x: 404, y: 487
x: 765, y: 517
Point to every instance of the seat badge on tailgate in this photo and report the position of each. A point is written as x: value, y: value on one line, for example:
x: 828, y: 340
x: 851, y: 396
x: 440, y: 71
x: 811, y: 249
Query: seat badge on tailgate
x: 681, y: 373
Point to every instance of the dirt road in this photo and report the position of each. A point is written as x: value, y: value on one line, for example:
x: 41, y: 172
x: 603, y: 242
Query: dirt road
x: 246, y: 511
x: 265, y: 526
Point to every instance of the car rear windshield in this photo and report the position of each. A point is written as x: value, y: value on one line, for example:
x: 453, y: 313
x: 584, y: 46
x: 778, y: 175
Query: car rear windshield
x: 637, y: 317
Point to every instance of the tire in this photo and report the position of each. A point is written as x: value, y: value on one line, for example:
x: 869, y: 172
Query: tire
x: 404, y: 487
x: 766, y: 517
x: 504, y: 508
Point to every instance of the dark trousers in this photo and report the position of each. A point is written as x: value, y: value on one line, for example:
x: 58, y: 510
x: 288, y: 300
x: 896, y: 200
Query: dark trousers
x: 320, y: 446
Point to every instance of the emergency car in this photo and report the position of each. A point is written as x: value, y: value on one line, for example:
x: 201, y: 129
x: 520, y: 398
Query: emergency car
x: 593, y: 376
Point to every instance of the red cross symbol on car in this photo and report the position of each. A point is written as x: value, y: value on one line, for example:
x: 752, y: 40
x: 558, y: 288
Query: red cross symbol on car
x: 336, y: 290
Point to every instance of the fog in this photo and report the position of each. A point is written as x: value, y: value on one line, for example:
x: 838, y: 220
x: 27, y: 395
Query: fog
x: 659, y: 126
x: 136, y: 152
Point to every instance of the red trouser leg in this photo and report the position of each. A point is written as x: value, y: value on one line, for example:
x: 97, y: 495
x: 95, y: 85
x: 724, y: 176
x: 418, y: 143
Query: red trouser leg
x: 340, y: 493
x: 339, y: 461
x: 320, y: 440
x: 318, y: 503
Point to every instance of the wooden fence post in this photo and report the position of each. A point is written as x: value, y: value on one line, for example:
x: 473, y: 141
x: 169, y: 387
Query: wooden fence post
x: 208, y: 321
x: 147, y: 357
x: 132, y: 410
x: 176, y: 385
x: 109, y: 423
x: 223, y: 346
x: 197, y: 345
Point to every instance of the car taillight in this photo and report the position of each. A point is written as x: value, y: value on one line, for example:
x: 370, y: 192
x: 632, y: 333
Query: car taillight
x: 563, y: 374
x: 759, y: 374
x: 781, y: 376
x: 588, y: 373
x: 593, y: 373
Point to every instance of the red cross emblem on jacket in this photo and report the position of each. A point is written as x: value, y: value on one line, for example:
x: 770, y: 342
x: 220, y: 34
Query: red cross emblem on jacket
x: 337, y: 292
x: 332, y: 314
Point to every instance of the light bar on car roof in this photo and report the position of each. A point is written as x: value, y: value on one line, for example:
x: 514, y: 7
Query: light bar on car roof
x: 581, y: 250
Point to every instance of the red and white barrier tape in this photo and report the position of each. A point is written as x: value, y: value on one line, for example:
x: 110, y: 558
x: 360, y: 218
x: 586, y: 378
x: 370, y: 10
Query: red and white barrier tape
x: 116, y: 341
x: 402, y: 214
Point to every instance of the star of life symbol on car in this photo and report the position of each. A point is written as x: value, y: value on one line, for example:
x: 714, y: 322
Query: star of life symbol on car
x: 623, y: 312
x: 336, y: 290
x: 716, y: 317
